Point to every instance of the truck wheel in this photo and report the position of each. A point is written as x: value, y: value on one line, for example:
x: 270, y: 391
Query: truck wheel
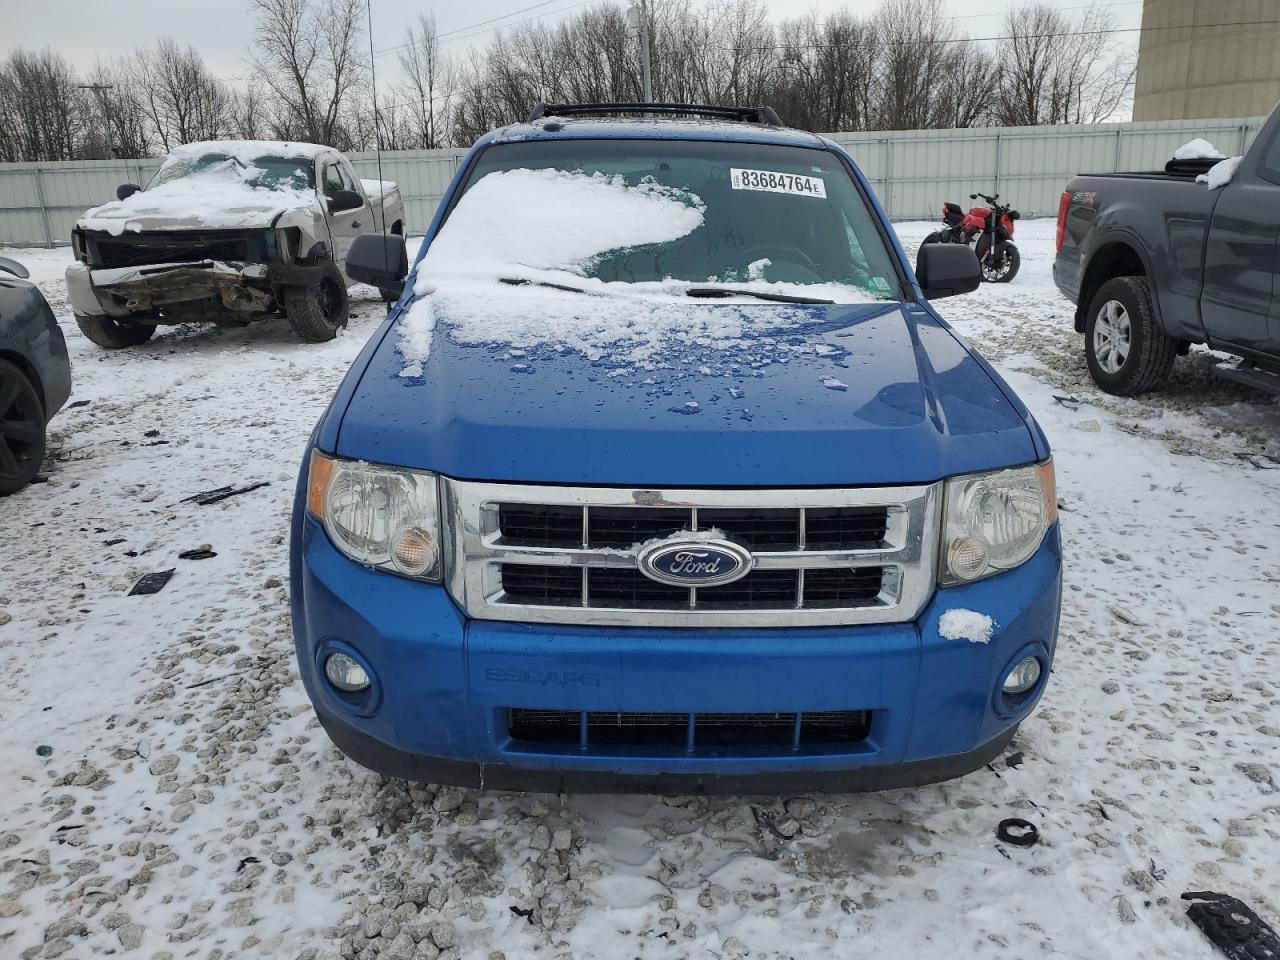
x: 114, y: 334
x: 318, y: 310
x: 1126, y: 350
x: 21, y: 429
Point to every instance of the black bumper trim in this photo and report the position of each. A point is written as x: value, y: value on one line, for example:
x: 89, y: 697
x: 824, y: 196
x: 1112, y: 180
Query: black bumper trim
x: 390, y: 762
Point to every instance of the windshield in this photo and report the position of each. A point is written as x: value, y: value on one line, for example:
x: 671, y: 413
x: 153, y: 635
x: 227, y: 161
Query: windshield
x: 266, y: 172
x: 751, y: 216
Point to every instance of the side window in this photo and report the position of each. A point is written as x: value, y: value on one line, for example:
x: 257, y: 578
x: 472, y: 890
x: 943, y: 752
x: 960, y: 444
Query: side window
x: 333, y: 181
x: 1270, y: 166
x: 348, y: 180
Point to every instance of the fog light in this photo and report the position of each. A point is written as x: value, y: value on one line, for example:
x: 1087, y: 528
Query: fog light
x: 414, y: 552
x: 345, y: 673
x: 1022, y: 677
x: 967, y: 558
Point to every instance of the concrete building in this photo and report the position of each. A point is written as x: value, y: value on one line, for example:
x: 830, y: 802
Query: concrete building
x: 1207, y: 58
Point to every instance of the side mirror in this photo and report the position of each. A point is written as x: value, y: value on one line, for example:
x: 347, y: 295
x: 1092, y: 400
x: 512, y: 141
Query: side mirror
x: 381, y: 261
x: 345, y: 200
x: 947, y: 269
x: 126, y: 190
x: 14, y: 267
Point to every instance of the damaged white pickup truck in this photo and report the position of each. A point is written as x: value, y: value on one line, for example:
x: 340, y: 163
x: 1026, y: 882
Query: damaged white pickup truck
x: 228, y: 232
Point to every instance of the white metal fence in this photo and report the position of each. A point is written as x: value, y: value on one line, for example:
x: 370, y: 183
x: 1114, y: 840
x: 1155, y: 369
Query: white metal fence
x: 912, y: 171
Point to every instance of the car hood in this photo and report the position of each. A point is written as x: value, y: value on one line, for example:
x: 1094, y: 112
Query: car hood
x: 169, y: 211
x: 840, y: 395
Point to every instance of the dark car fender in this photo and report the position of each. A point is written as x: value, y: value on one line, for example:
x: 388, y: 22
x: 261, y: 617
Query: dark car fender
x: 1111, y: 254
x: 31, y: 339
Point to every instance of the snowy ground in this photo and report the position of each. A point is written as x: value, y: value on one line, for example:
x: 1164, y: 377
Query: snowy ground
x: 191, y: 807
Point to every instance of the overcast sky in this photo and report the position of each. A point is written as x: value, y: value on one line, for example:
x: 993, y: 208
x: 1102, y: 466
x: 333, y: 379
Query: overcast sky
x: 84, y: 30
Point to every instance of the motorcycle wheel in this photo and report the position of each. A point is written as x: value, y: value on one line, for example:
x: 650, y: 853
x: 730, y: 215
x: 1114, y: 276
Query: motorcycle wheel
x: 935, y: 237
x: 1001, y: 270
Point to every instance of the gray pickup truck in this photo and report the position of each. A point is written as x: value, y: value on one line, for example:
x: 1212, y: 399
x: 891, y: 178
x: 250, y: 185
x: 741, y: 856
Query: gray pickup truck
x: 228, y: 232
x: 1158, y: 261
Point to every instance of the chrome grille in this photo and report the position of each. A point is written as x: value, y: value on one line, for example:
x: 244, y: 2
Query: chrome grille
x: 568, y: 554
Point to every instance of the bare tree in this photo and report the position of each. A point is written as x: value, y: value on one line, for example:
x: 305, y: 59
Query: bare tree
x: 425, y: 90
x: 43, y: 113
x: 182, y: 100
x: 307, y: 57
x: 1057, y: 71
x: 119, y: 128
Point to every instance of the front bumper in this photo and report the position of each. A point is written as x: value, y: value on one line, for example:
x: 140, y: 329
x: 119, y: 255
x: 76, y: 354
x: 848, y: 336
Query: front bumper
x: 120, y: 291
x: 444, y: 684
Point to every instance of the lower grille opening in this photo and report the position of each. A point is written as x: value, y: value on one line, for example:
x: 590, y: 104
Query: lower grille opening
x: 711, y: 731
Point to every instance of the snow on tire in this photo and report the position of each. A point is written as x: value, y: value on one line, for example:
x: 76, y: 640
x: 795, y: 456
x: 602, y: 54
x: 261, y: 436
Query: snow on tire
x: 317, y: 310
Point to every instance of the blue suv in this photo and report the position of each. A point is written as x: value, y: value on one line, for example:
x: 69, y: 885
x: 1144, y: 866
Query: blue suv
x: 664, y: 473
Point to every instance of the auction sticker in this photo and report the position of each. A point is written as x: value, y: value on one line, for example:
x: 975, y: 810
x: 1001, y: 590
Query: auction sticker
x: 773, y: 182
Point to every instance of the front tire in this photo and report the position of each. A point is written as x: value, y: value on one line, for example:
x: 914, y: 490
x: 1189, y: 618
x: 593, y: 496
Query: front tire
x: 318, y: 310
x: 1004, y: 269
x: 22, y: 429
x: 935, y: 237
x: 1127, y: 351
x: 113, y: 334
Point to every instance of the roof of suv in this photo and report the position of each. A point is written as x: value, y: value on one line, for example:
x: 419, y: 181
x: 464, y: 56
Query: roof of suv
x: 594, y: 128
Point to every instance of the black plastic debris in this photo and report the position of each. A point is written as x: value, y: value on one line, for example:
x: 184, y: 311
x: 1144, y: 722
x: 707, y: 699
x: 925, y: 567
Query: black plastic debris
x: 112, y: 543
x: 1232, y: 927
x: 151, y: 583
x: 1019, y: 832
x: 1014, y: 760
x: 221, y: 493
x: 77, y: 403
x: 44, y: 750
x: 152, y: 433
x: 203, y: 553
x: 245, y: 862
x: 521, y: 912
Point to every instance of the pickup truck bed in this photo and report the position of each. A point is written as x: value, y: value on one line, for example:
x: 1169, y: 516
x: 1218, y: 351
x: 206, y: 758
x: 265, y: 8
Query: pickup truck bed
x: 1203, y: 262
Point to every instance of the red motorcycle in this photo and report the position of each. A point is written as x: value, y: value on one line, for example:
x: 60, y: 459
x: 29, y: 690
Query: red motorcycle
x: 992, y: 227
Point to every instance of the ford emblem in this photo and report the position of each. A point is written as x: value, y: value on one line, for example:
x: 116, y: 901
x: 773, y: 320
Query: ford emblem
x: 694, y: 563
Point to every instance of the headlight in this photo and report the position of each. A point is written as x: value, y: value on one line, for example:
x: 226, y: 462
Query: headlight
x: 384, y: 517
x: 996, y: 521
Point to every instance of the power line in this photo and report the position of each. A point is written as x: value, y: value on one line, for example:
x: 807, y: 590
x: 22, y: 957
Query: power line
x: 452, y: 34
x: 879, y: 42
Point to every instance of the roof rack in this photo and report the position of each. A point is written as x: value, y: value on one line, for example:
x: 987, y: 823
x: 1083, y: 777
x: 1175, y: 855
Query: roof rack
x: 763, y: 115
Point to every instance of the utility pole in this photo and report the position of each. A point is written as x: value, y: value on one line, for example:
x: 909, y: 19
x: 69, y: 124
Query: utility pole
x: 101, y: 90
x: 639, y: 17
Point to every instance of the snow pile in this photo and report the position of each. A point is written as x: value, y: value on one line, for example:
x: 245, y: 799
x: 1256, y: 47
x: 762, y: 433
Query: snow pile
x: 416, y: 331
x: 224, y: 195
x: 1198, y: 149
x: 1220, y: 174
x: 554, y: 220
x: 374, y: 189
x: 968, y: 625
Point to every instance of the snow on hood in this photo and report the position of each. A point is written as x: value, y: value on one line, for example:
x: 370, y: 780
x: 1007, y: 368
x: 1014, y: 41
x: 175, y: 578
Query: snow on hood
x: 375, y: 189
x: 222, y: 196
x: 547, y: 227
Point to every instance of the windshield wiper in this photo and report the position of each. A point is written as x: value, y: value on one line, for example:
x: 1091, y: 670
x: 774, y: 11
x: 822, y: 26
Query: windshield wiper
x: 521, y: 282
x: 717, y: 293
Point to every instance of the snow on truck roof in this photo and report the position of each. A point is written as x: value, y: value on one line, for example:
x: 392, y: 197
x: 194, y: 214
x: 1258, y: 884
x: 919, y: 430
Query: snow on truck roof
x: 246, y: 150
